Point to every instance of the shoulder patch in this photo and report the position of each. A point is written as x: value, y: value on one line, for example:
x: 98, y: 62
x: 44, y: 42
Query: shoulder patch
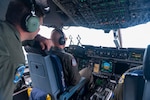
x: 74, y: 63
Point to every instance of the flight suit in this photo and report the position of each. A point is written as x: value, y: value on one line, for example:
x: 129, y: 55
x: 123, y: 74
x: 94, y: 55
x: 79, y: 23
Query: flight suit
x: 118, y: 93
x: 11, y: 57
x: 70, y: 67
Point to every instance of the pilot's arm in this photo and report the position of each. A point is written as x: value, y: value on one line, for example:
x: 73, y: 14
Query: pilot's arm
x: 44, y: 42
x: 73, y: 71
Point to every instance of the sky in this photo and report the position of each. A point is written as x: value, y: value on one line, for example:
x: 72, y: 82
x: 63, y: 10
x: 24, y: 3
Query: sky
x: 134, y: 37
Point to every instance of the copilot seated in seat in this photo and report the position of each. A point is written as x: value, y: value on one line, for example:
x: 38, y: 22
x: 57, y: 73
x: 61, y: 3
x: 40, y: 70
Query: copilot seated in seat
x: 47, y: 74
x: 69, y: 64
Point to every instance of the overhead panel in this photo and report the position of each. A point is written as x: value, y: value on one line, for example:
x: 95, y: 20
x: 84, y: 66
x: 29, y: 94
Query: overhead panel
x: 106, y: 14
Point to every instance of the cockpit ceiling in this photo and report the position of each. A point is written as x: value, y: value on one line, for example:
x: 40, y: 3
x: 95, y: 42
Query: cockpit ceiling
x: 98, y: 14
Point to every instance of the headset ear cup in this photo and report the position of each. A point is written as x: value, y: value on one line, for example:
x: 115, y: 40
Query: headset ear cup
x: 62, y: 41
x: 31, y: 23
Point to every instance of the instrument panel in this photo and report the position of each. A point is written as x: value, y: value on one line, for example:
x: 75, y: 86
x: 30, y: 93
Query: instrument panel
x: 134, y: 55
x: 108, y: 65
x: 106, y: 60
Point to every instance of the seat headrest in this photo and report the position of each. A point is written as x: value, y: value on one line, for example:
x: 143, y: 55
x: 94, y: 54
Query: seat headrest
x: 30, y: 49
x: 35, y: 48
x: 146, y: 63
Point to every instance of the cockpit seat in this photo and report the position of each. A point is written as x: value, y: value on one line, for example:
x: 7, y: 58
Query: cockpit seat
x: 133, y: 86
x: 47, y: 75
x: 146, y: 65
x: 137, y: 86
x: 134, y: 82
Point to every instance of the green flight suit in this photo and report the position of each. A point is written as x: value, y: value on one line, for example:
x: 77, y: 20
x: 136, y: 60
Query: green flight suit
x: 11, y: 56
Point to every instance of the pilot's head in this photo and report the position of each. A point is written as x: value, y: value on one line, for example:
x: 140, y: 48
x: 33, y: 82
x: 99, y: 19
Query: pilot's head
x: 26, y: 16
x: 58, y: 38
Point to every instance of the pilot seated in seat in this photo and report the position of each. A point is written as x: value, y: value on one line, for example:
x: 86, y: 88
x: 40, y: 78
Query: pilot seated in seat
x: 70, y: 66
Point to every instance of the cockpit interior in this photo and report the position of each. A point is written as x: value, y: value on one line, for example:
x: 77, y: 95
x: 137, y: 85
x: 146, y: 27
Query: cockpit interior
x: 107, y: 63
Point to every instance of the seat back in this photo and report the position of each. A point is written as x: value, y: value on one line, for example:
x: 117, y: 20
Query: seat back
x: 47, y: 75
x: 133, y: 87
x: 146, y: 65
x: 58, y: 72
x: 43, y: 74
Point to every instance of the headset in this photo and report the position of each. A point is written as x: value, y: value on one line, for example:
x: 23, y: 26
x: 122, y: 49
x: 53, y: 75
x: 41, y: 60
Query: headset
x: 30, y: 22
x: 61, y: 40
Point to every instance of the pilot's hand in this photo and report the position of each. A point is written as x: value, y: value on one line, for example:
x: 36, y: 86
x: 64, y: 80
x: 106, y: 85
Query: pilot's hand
x: 45, y: 43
